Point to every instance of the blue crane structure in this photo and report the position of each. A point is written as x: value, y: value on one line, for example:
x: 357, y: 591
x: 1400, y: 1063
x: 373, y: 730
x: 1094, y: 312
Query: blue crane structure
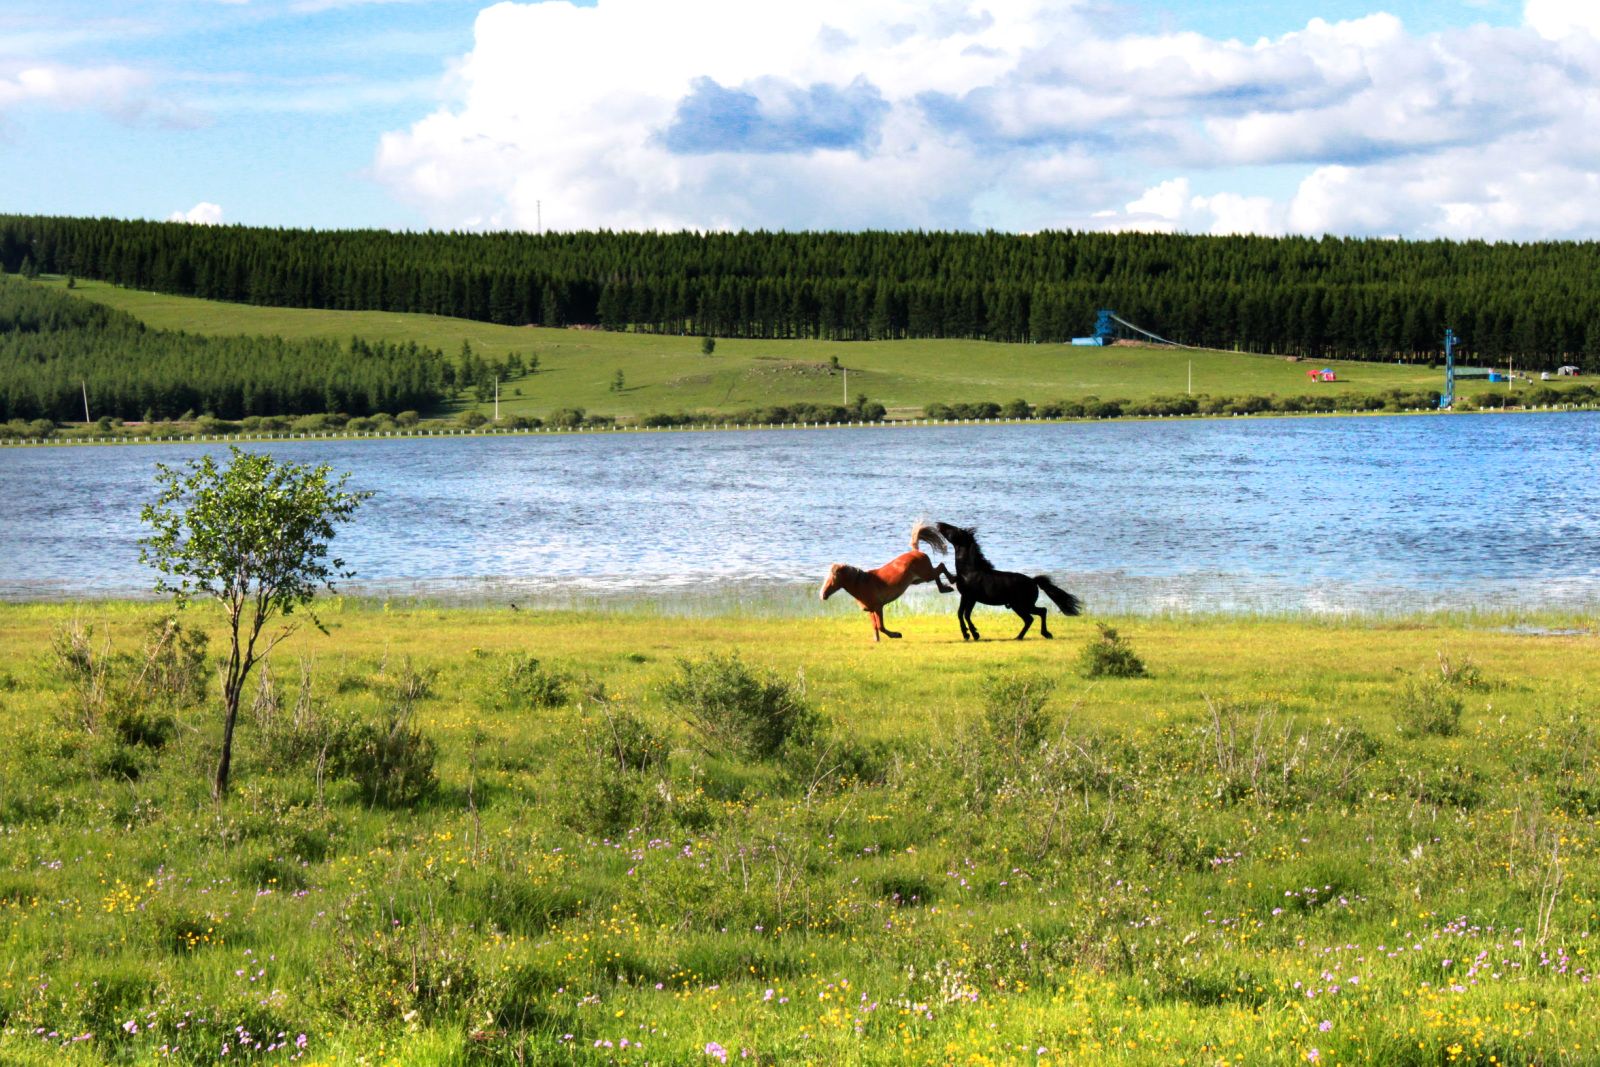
x: 1104, y: 330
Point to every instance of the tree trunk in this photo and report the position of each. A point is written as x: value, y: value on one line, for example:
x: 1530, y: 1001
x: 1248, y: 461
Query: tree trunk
x: 232, y: 683
x: 219, y: 785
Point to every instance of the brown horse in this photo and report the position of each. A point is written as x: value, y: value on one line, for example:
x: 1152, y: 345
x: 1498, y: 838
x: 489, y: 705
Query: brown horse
x: 874, y: 589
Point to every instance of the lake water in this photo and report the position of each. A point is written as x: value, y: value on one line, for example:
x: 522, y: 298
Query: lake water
x: 1322, y: 514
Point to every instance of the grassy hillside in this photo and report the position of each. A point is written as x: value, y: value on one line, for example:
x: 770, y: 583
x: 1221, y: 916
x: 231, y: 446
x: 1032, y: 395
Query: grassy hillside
x: 1292, y: 842
x: 669, y: 374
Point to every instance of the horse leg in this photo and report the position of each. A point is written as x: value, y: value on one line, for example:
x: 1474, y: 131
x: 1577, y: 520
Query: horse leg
x: 1044, y: 631
x: 877, y: 623
x: 940, y: 575
x: 961, y: 617
x: 878, y: 618
x: 1027, y: 619
x: 972, y: 626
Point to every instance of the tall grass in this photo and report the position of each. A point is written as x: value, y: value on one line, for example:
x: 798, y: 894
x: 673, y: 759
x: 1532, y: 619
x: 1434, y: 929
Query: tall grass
x: 973, y: 854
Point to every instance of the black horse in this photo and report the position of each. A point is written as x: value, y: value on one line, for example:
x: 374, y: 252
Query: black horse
x: 979, y: 583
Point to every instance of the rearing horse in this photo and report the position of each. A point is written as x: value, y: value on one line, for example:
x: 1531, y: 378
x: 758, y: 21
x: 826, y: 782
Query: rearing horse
x: 874, y: 589
x: 980, y: 583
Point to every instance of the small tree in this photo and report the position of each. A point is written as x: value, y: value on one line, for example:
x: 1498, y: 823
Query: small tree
x: 253, y: 536
x: 618, y: 381
x: 708, y: 345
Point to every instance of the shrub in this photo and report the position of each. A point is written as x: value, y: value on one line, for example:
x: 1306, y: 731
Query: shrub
x: 85, y: 665
x: 408, y: 418
x: 524, y: 683
x: 616, y: 775
x: 1460, y: 674
x: 1429, y: 706
x: 389, y: 759
x: 1108, y: 655
x: 174, y: 670
x: 472, y: 419
x: 1013, y: 709
x: 1017, y: 409
x: 626, y: 742
x: 300, y: 735
x: 735, y: 708
x: 566, y: 418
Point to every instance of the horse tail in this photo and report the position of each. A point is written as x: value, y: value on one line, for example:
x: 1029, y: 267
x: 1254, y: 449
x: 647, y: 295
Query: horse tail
x: 925, y: 532
x: 1069, y: 604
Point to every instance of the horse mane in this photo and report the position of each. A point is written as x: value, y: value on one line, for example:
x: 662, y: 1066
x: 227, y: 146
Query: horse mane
x: 926, y: 533
x: 965, y: 540
x: 845, y: 570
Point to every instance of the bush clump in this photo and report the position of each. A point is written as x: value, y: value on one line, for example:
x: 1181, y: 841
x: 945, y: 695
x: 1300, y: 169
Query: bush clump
x: 390, y: 759
x: 621, y: 762
x: 1108, y: 655
x: 746, y: 712
x: 525, y: 684
x: 1429, y: 706
x: 1013, y: 709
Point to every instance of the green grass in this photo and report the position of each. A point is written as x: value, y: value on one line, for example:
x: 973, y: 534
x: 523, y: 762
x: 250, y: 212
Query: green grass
x: 1162, y: 880
x: 669, y: 374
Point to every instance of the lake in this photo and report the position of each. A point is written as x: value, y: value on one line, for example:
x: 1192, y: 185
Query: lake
x: 1205, y: 515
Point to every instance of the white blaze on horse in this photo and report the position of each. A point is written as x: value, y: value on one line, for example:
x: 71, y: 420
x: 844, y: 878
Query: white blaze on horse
x: 876, y: 588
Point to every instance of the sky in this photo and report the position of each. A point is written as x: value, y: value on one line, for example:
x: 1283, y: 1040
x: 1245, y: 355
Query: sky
x: 1467, y: 119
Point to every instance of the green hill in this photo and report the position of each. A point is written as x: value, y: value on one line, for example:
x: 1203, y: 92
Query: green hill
x: 578, y: 367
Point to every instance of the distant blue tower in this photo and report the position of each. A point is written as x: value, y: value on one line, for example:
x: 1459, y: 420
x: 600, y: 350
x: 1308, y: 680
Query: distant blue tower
x: 1105, y: 330
x: 1448, y: 398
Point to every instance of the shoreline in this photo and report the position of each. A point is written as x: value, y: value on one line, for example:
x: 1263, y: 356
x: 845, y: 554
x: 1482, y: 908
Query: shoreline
x: 113, y: 440
x: 1534, y: 620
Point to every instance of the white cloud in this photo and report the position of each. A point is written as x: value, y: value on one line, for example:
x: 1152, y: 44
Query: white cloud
x: 121, y: 92
x: 204, y: 213
x: 1562, y: 18
x: 1020, y: 114
x: 115, y: 89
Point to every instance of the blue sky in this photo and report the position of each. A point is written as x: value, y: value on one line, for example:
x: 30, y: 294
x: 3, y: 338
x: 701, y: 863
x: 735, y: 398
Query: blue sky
x: 1463, y: 118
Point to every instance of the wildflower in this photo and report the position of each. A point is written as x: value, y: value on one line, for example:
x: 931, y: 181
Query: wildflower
x: 131, y: 1026
x: 716, y: 1050
x: 1314, y: 1055
x: 1325, y: 1025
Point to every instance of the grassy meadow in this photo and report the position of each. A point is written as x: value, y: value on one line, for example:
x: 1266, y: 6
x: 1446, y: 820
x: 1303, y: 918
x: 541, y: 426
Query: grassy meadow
x: 662, y: 374
x: 483, y: 836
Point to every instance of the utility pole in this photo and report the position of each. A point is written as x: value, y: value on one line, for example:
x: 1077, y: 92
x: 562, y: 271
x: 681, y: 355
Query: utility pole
x: 1191, y: 377
x: 85, y: 385
x: 497, y: 398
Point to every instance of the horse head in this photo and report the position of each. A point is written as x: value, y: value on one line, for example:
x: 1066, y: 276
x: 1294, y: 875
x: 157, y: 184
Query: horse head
x: 964, y: 539
x: 830, y: 584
